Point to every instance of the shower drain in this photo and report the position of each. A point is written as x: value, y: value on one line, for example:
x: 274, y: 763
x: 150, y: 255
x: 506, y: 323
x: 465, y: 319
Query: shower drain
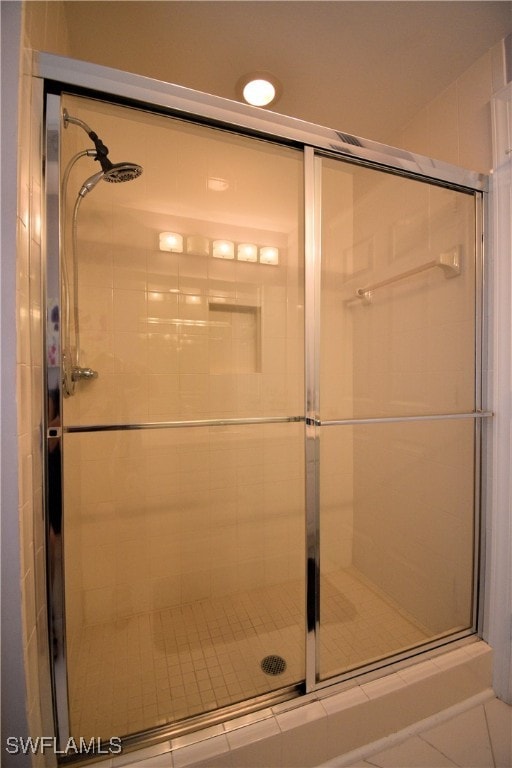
x: 273, y: 665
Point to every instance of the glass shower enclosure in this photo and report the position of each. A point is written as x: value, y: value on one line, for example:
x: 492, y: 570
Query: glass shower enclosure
x: 265, y: 403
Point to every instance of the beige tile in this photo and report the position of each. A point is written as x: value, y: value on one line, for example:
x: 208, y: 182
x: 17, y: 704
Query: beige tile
x: 268, y: 754
x: 254, y: 733
x: 307, y: 744
x: 418, y: 671
x: 499, y: 723
x: 363, y: 764
x: 350, y: 729
x: 450, y: 659
x: 298, y: 716
x: 220, y: 761
x: 443, y: 126
x: 415, y: 135
x: 158, y: 756
x: 193, y: 354
x: 498, y: 64
x: 129, y: 269
x: 163, y: 353
x: 473, y: 90
x: 130, y: 312
x: 130, y: 352
x: 159, y: 761
x: 464, y: 739
x: 383, y: 686
x: 413, y: 753
x: 478, y: 648
x: 202, y: 752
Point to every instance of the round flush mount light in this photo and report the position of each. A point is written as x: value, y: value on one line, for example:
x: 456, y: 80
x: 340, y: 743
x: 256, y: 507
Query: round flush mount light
x: 260, y: 89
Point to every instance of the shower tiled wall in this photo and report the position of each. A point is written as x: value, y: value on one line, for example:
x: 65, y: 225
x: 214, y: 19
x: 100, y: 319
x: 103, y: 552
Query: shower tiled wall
x: 30, y: 366
x: 42, y: 26
x: 456, y: 125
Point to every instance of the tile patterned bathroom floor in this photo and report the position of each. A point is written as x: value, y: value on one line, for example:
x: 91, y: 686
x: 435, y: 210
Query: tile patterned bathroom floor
x: 154, y: 668
x: 481, y: 737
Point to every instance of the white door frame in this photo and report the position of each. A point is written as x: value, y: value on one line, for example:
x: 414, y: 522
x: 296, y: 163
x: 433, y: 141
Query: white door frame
x: 498, y: 618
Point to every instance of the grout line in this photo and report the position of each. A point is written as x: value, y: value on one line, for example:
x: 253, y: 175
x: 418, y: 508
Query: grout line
x: 438, y: 750
x: 489, y: 737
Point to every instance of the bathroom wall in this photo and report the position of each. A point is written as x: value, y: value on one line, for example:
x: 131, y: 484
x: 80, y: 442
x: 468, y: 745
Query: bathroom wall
x: 40, y: 29
x: 456, y: 126
x: 14, y: 713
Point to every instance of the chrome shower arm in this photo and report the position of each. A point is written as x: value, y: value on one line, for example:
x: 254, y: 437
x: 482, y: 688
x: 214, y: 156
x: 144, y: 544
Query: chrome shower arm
x: 101, y: 149
x: 67, y: 118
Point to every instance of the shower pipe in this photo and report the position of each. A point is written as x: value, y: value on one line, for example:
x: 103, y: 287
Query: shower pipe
x: 449, y: 262
x: 112, y: 173
x: 66, y: 331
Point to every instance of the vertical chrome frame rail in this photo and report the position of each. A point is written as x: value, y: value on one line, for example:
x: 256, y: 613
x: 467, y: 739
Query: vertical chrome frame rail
x: 53, y: 381
x: 312, y: 202
x: 482, y: 426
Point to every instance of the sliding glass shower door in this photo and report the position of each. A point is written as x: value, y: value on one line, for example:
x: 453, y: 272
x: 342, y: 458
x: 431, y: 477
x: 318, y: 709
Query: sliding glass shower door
x: 266, y: 360
x: 183, y: 458
x: 398, y: 398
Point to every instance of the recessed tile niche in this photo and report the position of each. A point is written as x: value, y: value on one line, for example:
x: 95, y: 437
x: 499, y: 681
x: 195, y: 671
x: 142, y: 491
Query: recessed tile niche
x: 235, y: 338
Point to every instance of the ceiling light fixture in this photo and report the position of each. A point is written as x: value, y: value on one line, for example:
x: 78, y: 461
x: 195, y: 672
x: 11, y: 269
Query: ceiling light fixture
x: 260, y: 89
x: 199, y: 245
x: 217, y: 185
x: 247, y: 252
x: 223, y: 249
x: 171, y: 241
x: 269, y: 255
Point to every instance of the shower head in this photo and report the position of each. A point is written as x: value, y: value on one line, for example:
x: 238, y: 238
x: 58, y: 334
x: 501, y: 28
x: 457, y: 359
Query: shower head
x: 111, y: 172
x: 116, y: 173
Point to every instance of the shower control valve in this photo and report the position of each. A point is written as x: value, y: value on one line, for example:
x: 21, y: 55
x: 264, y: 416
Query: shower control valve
x: 83, y: 373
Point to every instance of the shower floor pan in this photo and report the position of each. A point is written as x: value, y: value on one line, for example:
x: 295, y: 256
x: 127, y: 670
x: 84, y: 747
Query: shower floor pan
x: 132, y: 674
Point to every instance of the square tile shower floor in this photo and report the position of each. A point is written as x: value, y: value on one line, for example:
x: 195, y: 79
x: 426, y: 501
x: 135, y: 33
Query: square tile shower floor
x: 132, y: 674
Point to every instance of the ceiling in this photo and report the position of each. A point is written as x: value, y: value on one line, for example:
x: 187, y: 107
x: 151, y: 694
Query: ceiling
x: 362, y: 67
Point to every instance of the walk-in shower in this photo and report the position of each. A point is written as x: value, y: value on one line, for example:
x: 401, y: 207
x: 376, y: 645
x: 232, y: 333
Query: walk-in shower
x: 273, y: 484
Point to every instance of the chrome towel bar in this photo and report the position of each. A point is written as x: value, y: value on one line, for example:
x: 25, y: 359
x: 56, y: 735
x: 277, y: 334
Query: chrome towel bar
x: 449, y: 262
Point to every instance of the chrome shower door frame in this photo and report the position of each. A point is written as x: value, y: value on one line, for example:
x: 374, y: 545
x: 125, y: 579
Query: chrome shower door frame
x: 61, y: 74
